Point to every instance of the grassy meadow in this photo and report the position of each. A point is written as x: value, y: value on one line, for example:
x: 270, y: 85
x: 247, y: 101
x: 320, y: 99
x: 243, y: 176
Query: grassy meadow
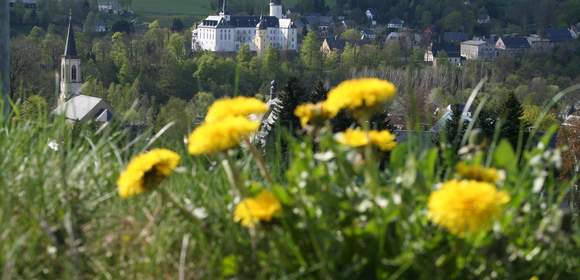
x: 342, y: 212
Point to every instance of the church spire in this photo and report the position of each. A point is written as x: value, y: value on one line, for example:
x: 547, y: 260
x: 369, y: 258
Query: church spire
x: 70, y: 49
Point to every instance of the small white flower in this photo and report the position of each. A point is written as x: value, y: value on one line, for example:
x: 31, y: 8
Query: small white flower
x: 200, y: 213
x: 383, y: 202
x: 51, y: 250
x: 527, y: 208
x: 53, y: 145
x: 541, y: 146
x: 326, y: 156
x: 318, y: 212
x: 539, y: 182
x: 397, y: 199
x: 399, y: 179
x: 364, y: 206
x: 536, y: 160
x: 557, y: 158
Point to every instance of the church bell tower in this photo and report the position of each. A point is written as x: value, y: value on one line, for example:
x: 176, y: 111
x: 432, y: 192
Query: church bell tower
x: 70, y: 67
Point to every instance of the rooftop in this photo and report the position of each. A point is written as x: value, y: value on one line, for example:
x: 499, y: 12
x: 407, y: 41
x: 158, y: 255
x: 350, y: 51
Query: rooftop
x: 558, y: 35
x: 515, y: 42
x: 79, y: 107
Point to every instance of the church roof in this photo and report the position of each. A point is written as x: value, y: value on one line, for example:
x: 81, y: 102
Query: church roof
x: 105, y: 116
x: 84, y: 107
x: 70, y: 49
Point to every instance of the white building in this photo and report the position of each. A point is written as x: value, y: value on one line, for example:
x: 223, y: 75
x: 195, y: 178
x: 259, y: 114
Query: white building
x: 228, y: 33
x: 478, y: 49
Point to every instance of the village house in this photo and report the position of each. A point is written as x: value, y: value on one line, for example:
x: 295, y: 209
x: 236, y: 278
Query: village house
x: 332, y: 45
x: 539, y: 44
x: 396, y: 24
x: 575, y: 31
x: 512, y: 46
x: 435, y: 52
x: 320, y: 24
x: 407, y: 38
x: 478, y: 50
x: 558, y: 36
x: 368, y: 34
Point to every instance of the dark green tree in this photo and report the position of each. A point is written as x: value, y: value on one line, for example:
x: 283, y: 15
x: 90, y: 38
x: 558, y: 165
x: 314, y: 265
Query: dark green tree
x: 292, y: 96
x: 512, y: 113
x: 177, y: 25
x: 454, y: 129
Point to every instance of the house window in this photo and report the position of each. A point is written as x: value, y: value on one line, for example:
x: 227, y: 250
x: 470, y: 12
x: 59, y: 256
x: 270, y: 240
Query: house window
x: 74, y: 73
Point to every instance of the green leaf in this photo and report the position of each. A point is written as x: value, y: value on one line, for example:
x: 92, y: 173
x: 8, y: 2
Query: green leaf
x: 230, y: 266
x: 428, y: 163
x: 549, y: 134
x: 282, y: 195
x: 399, y: 156
x: 504, y: 156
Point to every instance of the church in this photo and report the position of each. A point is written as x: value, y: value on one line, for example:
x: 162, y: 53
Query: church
x: 228, y: 33
x: 72, y: 104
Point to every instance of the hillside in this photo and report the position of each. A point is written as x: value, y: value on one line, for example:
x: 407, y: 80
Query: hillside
x: 190, y: 7
x: 187, y: 7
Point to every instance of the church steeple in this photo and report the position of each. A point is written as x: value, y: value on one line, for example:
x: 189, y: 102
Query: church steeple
x: 70, y: 49
x: 70, y: 67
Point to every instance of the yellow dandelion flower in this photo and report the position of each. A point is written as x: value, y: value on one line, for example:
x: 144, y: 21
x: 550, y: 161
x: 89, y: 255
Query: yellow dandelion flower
x: 314, y: 114
x: 235, y: 107
x: 384, y: 140
x: 251, y: 211
x: 354, y: 138
x: 360, y: 95
x: 146, y: 171
x: 464, y: 207
x: 210, y: 138
x: 479, y: 173
x: 357, y: 138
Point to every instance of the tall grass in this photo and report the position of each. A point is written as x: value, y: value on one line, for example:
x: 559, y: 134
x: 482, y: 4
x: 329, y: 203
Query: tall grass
x: 61, y: 218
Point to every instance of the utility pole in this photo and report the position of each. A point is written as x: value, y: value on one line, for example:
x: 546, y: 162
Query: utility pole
x: 5, y: 52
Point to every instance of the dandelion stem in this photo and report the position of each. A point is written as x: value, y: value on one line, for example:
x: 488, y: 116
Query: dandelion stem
x: 233, y: 175
x: 371, y: 175
x: 260, y: 161
x: 184, y: 211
